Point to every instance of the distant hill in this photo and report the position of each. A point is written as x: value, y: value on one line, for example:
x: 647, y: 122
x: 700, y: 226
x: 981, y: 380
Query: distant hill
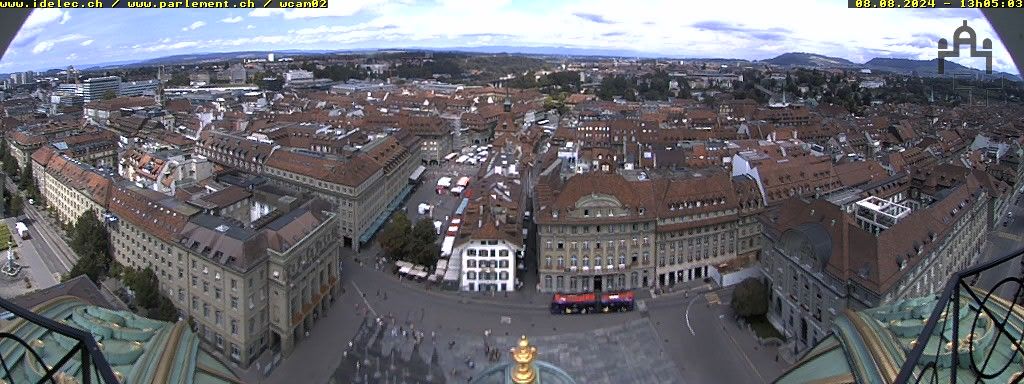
x: 811, y: 60
x: 927, y: 68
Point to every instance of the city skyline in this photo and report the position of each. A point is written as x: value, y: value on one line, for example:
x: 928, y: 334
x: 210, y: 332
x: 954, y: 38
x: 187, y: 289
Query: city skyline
x: 54, y: 38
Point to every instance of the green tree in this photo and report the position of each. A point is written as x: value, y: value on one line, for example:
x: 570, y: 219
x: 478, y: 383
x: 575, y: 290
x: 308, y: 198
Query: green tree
x: 394, y: 238
x: 89, y: 265
x: 424, y: 231
x: 89, y: 236
x: 109, y: 94
x: 145, y: 285
x: 149, y: 300
x: 179, y: 79
x: 750, y: 298
x: 10, y: 165
x: 165, y: 311
x: 27, y: 183
x: 14, y: 204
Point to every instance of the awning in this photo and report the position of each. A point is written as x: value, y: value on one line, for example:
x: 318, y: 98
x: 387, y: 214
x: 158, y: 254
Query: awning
x: 417, y: 173
x: 383, y: 216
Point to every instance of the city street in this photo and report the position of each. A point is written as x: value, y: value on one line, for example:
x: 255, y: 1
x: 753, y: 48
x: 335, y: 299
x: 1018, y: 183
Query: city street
x: 40, y: 272
x: 54, y: 251
x: 698, y: 357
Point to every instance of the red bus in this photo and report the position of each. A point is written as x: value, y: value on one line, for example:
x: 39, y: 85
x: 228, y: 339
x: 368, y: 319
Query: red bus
x: 618, y: 301
x: 574, y: 303
x: 569, y: 303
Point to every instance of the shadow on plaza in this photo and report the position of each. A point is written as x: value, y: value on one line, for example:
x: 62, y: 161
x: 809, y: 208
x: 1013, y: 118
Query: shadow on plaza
x: 380, y: 353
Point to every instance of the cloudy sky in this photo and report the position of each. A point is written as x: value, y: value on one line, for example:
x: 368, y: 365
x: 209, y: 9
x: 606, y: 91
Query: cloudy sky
x: 748, y: 29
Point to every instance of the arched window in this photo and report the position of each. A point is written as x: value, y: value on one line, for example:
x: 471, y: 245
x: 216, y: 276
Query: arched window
x: 586, y: 261
x: 503, y: 275
x: 572, y: 261
x: 560, y: 282
x: 635, y: 280
x: 547, y: 282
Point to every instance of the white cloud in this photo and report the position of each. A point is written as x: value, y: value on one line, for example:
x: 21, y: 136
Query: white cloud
x: 194, y: 26
x: 231, y: 20
x: 165, y: 46
x: 87, y: 43
x: 250, y: 26
x: 72, y: 56
x: 47, y: 45
x: 41, y: 17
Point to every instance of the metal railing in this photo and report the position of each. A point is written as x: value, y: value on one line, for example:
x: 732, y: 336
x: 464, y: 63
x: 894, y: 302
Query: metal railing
x: 946, y: 352
x: 84, y: 354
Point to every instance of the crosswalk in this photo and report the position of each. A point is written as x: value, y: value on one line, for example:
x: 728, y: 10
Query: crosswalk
x: 712, y: 298
x: 1010, y: 236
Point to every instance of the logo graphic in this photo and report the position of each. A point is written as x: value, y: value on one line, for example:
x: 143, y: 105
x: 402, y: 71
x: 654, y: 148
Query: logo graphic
x: 959, y: 39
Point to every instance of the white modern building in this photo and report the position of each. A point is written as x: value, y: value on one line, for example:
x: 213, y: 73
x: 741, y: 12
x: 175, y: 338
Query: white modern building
x: 488, y: 264
x: 93, y: 89
x: 138, y: 88
x: 297, y: 74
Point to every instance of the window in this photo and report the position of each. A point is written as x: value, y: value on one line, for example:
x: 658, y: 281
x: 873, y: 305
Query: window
x: 470, y: 275
x: 234, y: 284
x: 547, y: 282
x: 206, y: 287
x: 471, y: 263
x: 234, y: 302
x: 216, y: 293
x: 471, y: 252
x: 195, y: 281
x: 206, y: 310
x: 217, y: 317
x: 503, y: 264
x: 547, y: 262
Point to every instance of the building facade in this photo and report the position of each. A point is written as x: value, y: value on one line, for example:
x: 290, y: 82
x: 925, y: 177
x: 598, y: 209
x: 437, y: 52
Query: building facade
x: 596, y: 232
x: 222, y: 275
x: 820, y: 260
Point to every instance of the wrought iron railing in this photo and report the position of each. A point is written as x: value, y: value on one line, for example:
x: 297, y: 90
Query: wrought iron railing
x: 950, y: 348
x: 83, y: 362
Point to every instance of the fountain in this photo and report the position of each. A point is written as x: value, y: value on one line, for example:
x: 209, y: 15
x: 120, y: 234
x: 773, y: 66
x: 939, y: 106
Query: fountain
x: 11, y: 268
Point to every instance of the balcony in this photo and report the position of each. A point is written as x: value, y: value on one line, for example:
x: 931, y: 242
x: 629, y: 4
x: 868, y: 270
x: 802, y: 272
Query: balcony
x: 972, y: 333
x: 83, y: 362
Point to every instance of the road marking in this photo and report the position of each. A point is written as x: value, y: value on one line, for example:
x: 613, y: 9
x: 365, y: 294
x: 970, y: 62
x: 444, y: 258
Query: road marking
x: 368, y: 306
x: 1012, y: 237
x: 688, y: 315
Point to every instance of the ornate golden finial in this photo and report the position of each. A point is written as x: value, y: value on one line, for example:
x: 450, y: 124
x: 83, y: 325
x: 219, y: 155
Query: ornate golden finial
x: 524, y: 355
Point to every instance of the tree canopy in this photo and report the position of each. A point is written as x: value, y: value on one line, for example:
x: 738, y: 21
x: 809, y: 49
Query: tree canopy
x: 148, y: 298
x: 750, y: 298
x: 413, y: 243
x: 90, y: 241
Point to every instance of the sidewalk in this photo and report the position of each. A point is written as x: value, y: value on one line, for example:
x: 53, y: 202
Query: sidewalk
x: 526, y: 298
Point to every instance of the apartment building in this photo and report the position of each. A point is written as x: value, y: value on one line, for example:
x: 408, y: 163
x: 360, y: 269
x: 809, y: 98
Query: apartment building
x: 247, y: 287
x: 595, y: 232
x: 365, y: 186
x: 702, y: 223
x: 73, y: 188
x: 26, y: 139
x: 821, y: 260
x: 240, y: 152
